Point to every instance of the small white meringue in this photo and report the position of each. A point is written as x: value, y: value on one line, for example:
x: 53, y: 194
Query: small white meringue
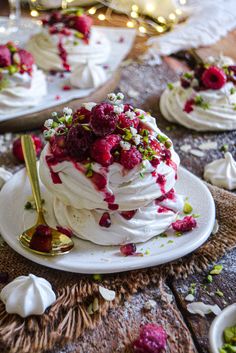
x: 4, y: 176
x: 222, y: 172
x: 88, y: 75
x: 27, y: 295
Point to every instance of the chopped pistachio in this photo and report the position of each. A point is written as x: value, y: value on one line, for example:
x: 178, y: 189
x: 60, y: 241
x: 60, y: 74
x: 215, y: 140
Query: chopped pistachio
x: 178, y: 234
x: 216, y: 270
x: 224, y: 148
x: 147, y: 252
x: 188, y: 75
x: 232, y: 90
x: 219, y: 293
x: 90, y: 309
x: 199, y: 101
x: 209, y: 279
x: 170, y: 241
x: 187, y: 207
x: 163, y: 235
x: 170, y: 85
x: 97, y: 277
x: 195, y: 215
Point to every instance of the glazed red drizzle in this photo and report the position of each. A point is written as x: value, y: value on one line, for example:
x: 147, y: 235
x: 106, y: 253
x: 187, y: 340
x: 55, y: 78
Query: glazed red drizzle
x: 63, y: 55
x: 170, y: 195
x: 161, y: 180
x: 173, y: 165
x: 162, y: 209
x: 51, y: 161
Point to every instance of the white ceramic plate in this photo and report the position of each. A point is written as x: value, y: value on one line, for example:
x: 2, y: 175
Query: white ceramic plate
x: 87, y: 257
x: 227, y: 318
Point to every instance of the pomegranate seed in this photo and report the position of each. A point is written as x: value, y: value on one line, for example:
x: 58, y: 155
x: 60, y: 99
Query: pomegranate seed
x: 128, y: 214
x: 128, y: 249
x: 105, y: 220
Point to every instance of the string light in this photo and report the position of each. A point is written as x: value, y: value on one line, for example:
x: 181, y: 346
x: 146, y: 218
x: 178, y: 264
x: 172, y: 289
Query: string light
x: 172, y: 16
x: 34, y: 13
x: 134, y: 14
x: 142, y: 29
x: 92, y: 11
x: 159, y: 29
x: 178, y: 12
x: 150, y: 7
x: 101, y: 17
x: 135, y: 8
x: 182, y: 2
x: 130, y: 24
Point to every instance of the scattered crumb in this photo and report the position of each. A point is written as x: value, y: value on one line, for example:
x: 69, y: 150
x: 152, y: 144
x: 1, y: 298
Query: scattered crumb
x: 185, y: 148
x: 209, y: 145
x: 197, y: 153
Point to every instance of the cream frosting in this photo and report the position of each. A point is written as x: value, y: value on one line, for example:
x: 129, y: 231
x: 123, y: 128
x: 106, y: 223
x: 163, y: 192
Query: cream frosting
x: 88, y: 75
x: 22, y: 90
x: 4, y: 176
x: 222, y: 172
x: 44, y: 46
x: 220, y: 115
x: 78, y: 205
x: 27, y: 295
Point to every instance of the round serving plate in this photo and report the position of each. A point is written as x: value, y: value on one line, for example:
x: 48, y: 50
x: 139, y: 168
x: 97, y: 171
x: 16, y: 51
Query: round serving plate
x: 87, y: 257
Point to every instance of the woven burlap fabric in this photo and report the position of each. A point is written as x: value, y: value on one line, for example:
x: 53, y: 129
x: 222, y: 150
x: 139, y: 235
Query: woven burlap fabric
x: 67, y: 319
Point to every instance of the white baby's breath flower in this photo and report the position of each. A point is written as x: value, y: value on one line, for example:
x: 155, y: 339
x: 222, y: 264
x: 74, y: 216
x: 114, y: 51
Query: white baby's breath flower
x: 137, y: 139
x: 120, y: 96
x: 54, y: 114
x: 111, y: 97
x: 133, y: 130
x: 67, y: 111
x: 48, y: 123
x: 118, y: 109
x: 130, y: 115
x: 48, y: 134
x: 125, y: 145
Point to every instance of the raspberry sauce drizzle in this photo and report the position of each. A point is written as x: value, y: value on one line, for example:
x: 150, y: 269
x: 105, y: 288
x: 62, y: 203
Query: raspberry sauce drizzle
x: 161, y: 180
x: 51, y: 161
x: 63, y: 55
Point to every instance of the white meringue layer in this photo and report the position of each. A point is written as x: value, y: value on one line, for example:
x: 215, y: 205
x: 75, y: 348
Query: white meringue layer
x: 222, y: 172
x: 145, y: 224
x: 22, y: 90
x: 219, y: 117
x: 44, y: 46
x: 4, y: 176
x: 27, y: 295
x: 88, y: 75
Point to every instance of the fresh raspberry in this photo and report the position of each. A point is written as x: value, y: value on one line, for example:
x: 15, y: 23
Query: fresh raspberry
x: 124, y: 122
x: 188, y: 107
x: 185, y: 224
x: 58, y: 146
x: 78, y: 141
x: 17, y: 148
x: 82, y: 115
x: 104, y: 119
x: 128, y: 249
x: 130, y: 158
x: 81, y: 24
x: 101, y: 149
x: 42, y: 239
x: 152, y: 339
x: 128, y: 107
x: 5, y: 56
x: 25, y: 59
x: 213, y: 78
x: 105, y: 220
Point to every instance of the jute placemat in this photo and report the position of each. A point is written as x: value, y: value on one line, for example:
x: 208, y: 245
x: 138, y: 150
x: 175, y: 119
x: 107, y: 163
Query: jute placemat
x: 68, y: 317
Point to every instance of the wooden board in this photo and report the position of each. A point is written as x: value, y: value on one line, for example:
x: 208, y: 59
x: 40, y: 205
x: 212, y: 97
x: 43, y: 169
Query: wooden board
x: 35, y: 120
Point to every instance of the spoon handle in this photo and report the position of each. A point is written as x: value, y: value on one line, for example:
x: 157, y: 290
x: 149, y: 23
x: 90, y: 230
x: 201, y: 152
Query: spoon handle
x: 31, y: 167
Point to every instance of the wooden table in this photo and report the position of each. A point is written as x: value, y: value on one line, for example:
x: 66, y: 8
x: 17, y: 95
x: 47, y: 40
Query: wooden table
x: 225, y: 282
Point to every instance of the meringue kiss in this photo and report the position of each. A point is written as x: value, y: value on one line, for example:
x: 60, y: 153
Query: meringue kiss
x: 88, y: 75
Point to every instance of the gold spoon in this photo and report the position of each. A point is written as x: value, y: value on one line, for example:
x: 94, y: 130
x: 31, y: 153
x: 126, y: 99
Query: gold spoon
x: 57, y: 243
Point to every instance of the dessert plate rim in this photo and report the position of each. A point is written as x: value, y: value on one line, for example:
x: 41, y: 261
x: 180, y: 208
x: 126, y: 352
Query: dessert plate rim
x: 91, y: 258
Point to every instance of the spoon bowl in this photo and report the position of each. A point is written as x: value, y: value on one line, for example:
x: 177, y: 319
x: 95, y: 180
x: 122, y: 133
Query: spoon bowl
x: 51, y: 242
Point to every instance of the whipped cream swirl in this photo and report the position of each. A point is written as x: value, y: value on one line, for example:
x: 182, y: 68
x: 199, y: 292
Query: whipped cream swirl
x: 46, y: 52
x: 220, y: 114
x: 222, y: 172
x: 88, y: 75
x: 22, y: 90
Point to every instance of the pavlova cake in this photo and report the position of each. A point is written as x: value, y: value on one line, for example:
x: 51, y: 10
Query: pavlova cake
x: 111, y: 173
x: 203, y: 99
x: 68, y: 38
x: 21, y: 82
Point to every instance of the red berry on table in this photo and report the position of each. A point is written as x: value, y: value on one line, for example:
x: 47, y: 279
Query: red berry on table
x: 128, y: 249
x: 152, y: 339
x: 81, y: 24
x: 82, y: 115
x: 213, y: 78
x: 184, y: 225
x: 130, y: 158
x: 104, y: 119
x: 17, y: 148
x: 26, y: 60
x: 78, y: 141
x: 5, y: 56
x: 42, y: 239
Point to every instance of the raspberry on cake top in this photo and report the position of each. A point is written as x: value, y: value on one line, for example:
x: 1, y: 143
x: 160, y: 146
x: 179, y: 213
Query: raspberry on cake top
x: 68, y: 38
x: 203, y: 99
x: 21, y: 83
x: 111, y: 173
